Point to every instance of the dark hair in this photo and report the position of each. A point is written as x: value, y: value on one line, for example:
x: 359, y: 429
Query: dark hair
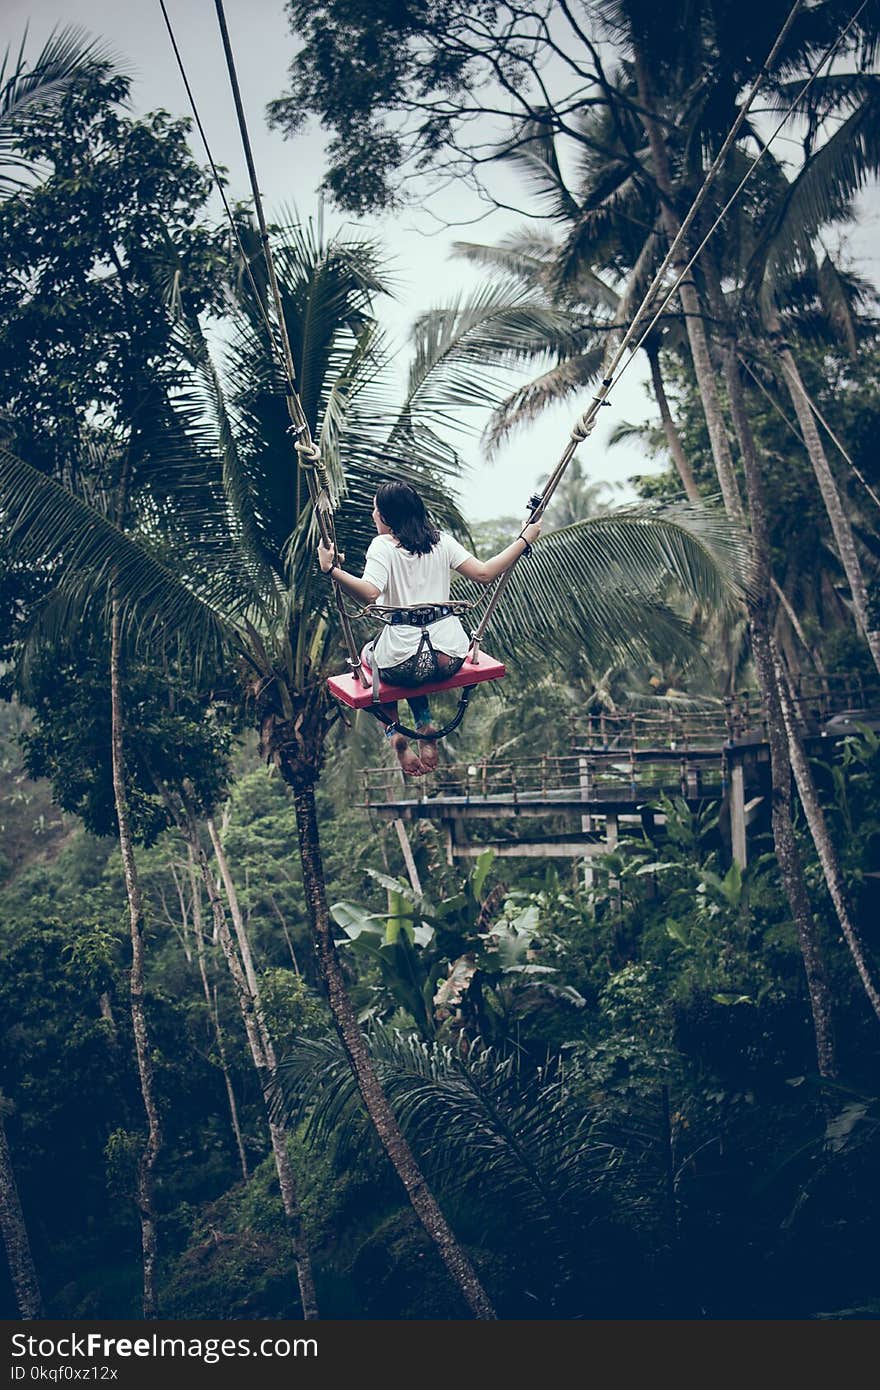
x: 401, y: 508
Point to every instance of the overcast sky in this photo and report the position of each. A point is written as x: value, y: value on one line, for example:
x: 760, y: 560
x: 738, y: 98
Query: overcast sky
x: 290, y: 171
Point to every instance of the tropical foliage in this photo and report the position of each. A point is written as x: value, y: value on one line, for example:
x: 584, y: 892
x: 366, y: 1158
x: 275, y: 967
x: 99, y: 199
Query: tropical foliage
x: 293, y: 1061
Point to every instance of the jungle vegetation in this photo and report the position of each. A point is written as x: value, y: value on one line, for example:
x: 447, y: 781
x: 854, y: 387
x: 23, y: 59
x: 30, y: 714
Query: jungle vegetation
x: 252, y: 1063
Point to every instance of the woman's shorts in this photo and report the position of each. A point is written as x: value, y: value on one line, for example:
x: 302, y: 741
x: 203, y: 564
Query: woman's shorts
x: 420, y: 668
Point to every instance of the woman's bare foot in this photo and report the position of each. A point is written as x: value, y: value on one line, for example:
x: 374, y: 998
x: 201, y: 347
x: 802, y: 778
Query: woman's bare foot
x: 410, y: 762
x: 428, y: 751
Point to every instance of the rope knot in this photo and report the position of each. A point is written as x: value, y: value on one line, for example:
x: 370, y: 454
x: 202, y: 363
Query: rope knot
x: 583, y: 429
x: 309, y: 454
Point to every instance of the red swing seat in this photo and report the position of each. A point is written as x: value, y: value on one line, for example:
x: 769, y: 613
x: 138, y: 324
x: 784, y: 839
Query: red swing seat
x: 349, y: 690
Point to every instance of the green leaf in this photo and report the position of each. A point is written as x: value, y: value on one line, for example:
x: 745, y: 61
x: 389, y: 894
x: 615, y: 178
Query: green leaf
x: 481, y: 871
x: 678, y: 931
x: 393, y: 885
x: 354, y: 921
x: 398, y: 922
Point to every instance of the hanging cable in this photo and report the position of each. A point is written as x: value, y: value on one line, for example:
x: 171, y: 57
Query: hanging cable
x: 822, y: 421
x: 834, y: 439
x: 610, y: 373
x: 308, y: 456
x: 215, y: 171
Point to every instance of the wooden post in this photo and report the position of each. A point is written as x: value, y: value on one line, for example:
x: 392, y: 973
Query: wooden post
x: 692, y: 777
x: 585, y: 781
x: 611, y: 838
x: 406, y: 850
x: 449, y: 837
x: 738, y: 813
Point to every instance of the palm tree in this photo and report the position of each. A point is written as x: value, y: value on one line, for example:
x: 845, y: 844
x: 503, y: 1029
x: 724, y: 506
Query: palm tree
x: 24, y: 88
x: 820, y: 194
x: 491, y: 1125
x: 137, y: 923
x: 230, y: 563
x: 610, y: 227
x: 14, y: 1233
x: 656, y: 108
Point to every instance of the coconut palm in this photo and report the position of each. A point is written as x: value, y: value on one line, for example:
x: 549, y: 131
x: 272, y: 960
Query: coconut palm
x: 497, y: 1130
x: 227, y: 562
x: 640, y: 27
x: 609, y: 237
x: 66, y: 56
x: 820, y: 194
x: 662, y: 116
x: 14, y: 1233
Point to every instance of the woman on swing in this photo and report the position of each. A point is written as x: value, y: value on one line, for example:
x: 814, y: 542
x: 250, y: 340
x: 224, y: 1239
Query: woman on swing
x: 408, y: 565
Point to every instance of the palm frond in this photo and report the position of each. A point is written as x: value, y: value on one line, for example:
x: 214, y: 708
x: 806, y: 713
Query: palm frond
x: 522, y: 260
x: 532, y: 150
x: 612, y: 588
x: 836, y: 295
x: 47, y: 526
x: 528, y: 402
x: 462, y: 351
x: 625, y: 433
x: 24, y: 88
x: 823, y: 190
x: 486, y: 1123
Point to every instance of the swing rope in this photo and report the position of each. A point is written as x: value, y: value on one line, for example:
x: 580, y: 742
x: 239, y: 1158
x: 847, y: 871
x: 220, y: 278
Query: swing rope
x: 614, y: 356
x: 308, y: 455
x: 613, y: 367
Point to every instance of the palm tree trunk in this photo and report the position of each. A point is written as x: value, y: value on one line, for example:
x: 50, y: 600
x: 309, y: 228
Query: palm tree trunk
x: 777, y: 696
x: 797, y: 628
x: 230, y: 1092
x: 673, y: 438
x: 839, y: 521
x: 147, y: 1164
x: 15, y: 1237
x: 263, y: 1067
x: 825, y: 849
x: 759, y: 602
x: 238, y: 923
x: 690, y: 300
x: 214, y: 1013
x: 376, y: 1102
x: 788, y: 854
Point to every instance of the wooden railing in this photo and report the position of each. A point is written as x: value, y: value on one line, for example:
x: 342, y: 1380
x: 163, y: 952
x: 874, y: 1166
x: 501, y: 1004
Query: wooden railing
x: 738, y: 716
x: 631, y: 775
x: 632, y: 755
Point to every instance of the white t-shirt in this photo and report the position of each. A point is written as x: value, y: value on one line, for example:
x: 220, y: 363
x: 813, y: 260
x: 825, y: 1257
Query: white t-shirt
x: 405, y: 580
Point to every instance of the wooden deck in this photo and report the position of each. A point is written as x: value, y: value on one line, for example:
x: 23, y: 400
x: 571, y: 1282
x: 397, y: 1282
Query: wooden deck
x: 620, y: 766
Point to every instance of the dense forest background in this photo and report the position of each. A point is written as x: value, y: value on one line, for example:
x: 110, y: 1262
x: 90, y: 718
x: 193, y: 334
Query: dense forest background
x: 252, y: 1063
